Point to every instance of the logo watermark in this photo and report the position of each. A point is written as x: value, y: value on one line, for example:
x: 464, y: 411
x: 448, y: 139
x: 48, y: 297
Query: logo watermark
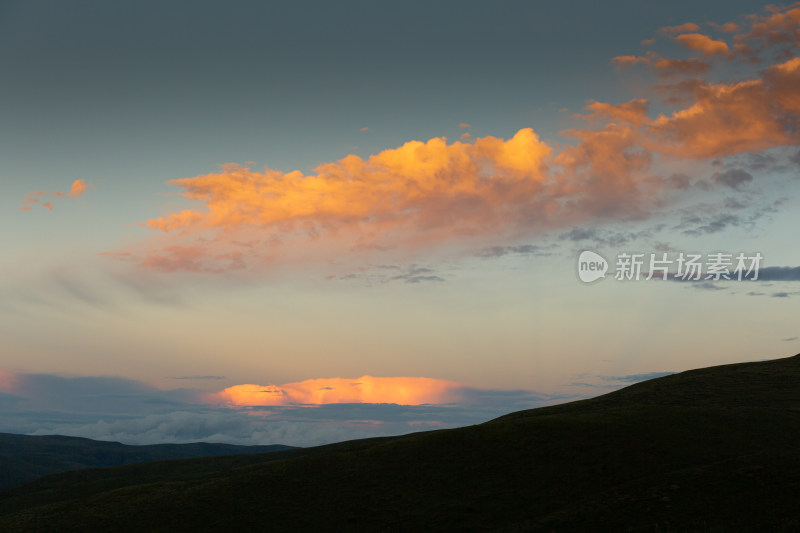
x: 591, y: 266
x: 675, y: 266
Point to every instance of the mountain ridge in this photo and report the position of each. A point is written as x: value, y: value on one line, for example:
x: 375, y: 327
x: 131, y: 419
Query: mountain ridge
x: 711, y: 449
x: 27, y: 457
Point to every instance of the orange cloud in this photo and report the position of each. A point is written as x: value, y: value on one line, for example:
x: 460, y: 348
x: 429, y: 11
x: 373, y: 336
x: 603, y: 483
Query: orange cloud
x: 683, y: 28
x: 690, y: 66
x: 664, y: 66
x: 629, y: 61
x: 784, y: 81
x: 728, y: 27
x: 778, y: 28
x: 728, y: 119
x: 366, y: 389
x: 431, y: 194
x: 431, y: 184
x: 634, y: 111
x: 78, y: 188
x: 703, y: 43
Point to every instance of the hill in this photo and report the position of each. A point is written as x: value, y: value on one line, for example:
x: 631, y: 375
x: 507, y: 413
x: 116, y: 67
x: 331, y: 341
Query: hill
x: 26, y: 457
x: 713, y: 449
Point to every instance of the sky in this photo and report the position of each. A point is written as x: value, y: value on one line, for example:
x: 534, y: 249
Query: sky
x: 304, y: 222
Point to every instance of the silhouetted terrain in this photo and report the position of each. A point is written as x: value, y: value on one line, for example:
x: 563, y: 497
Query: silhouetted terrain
x: 25, y: 457
x: 716, y: 449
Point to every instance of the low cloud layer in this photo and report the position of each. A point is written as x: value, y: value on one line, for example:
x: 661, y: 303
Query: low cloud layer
x: 310, y: 413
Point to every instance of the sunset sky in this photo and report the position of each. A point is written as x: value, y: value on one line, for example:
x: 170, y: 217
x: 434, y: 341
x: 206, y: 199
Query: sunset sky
x: 296, y: 223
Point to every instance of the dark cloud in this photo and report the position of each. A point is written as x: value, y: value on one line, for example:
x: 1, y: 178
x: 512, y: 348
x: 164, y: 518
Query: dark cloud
x: 764, y: 274
x: 779, y: 274
x: 581, y: 234
x: 523, y: 249
x: 767, y: 162
x: 635, y: 378
x: 711, y: 224
x: 659, y: 246
x: 613, y: 382
x: 679, y: 181
x: 708, y: 218
x: 789, y: 339
x: 732, y: 203
x: 196, y: 377
x: 388, y: 273
x: 90, y: 394
x: 780, y: 294
x: 704, y: 285
x: 733, y: 178
x: 607, y: 238
x: 416, y: 274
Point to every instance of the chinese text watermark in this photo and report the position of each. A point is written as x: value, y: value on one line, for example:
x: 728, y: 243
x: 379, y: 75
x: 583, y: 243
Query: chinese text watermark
x: 677, y: 266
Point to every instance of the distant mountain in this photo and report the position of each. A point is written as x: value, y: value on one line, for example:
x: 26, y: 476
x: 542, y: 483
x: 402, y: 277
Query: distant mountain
x: 716, y: 449
x: 25, y: 457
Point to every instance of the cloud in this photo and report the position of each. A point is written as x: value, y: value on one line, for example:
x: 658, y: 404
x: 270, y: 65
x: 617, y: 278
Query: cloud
x: 464, y: 125
x: 776, y: 29
x: 728, y: 119
x: 705, y: 285
x: 629, y: 61
x: 364, y: 129
x: 370, y: 274
x: 663, y: 66
x: 366, y: 389
x: 727, y: 27
x: 77, y: 189
x: 779, y: 273
x: 80, y: 394
x: 789, y: 339
x: 691, y: 66
x: 780, y: 294
x: 703, y: 43
x: 634, y: 111
x: 636, y: 378
x: 522, y: 249
x: 417, y: 275
x: 432, y: 182
x: 683, y: 28
x: 606, y: 382
x: 733, y: 178
x: 197, y: 377
x: 764, y: 274
x: 623, y: 163
x: 133, y: 412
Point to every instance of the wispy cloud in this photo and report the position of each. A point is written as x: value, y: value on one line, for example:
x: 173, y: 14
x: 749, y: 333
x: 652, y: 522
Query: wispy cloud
x: 35, y: 198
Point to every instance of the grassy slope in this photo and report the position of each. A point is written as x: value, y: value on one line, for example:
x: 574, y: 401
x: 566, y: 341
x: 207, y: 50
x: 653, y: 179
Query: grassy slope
x: 26, y: 457
x: 707, y: 450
